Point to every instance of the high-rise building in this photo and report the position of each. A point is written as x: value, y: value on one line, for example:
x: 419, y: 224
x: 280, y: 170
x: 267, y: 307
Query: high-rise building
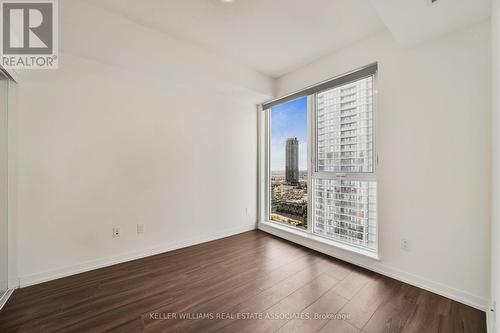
x: 345, y: 209
x: 292, y: 161
x: 345, y: 128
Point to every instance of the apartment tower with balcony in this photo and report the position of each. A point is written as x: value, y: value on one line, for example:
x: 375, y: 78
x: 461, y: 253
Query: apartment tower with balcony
x: 345, y: 206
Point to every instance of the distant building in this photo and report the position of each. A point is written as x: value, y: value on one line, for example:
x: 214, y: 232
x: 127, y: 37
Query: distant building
x: 292, y: 161
x: 297, y: 208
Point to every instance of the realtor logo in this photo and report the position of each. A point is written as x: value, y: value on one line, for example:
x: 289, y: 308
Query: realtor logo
x: 29, y: 34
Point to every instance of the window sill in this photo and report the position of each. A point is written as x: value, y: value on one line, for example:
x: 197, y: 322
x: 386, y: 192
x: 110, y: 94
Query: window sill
x: 320, y: 240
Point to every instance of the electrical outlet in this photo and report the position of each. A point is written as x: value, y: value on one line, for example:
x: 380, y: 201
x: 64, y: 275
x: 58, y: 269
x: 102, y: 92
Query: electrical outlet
x: 405, y: 244
x: 116, y: 232
x: 140, y: 228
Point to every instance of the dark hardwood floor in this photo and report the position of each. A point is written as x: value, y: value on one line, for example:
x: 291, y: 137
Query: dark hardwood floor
x: 251, y: 274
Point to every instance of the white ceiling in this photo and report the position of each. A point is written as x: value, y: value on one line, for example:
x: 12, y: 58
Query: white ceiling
x: 272, y: 36
x: 275, y: 37
x: 415, y: 21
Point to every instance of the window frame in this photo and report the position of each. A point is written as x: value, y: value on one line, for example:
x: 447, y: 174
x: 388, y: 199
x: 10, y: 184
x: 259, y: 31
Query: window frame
x: 264, y: 119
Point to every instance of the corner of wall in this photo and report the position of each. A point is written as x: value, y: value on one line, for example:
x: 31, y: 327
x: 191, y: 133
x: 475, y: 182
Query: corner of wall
x: 13, y: 280
x: 493, y: 317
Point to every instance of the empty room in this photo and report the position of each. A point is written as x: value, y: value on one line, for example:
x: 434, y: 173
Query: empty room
x: 250, y: 166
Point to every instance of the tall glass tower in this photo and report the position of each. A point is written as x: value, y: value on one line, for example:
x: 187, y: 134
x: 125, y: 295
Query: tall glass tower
x: 292, y: 161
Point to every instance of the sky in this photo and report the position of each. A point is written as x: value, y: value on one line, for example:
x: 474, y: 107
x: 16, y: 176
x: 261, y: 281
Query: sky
x: 288, y: 120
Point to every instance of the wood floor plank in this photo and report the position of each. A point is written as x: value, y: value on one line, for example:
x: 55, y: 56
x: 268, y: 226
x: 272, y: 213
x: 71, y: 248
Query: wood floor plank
x: 428, y: 314
x: 361, y: 307
x: 285, y: 309
x: 353, y: 282
x: 338, y: 326
x: 463, y: 319
x: 252, y: 272
x: 392, y: 315
x: 327, y: 304
x: 339, y: 270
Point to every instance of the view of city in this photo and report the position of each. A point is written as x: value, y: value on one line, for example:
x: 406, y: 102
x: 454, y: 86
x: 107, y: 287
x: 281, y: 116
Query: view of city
x: 289, y: 163
x: 289, y: 202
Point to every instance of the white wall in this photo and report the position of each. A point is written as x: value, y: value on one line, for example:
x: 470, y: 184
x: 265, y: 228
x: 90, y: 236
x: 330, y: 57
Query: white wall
x: 434, y: 146
x: 494, y: 318
x: 98, y: 147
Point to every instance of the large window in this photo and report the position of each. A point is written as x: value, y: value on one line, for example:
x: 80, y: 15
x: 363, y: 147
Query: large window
x: 323, y: 139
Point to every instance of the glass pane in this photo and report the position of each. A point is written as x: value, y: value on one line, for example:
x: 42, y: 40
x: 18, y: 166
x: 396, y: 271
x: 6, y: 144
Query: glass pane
x: 345, y: 128
x: 346, y: 210
x: 288, y: 161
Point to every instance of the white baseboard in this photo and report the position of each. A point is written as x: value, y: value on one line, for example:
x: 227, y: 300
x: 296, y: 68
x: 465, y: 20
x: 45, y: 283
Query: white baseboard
x: 378, y: 267
x: 4, y: 297
x: 53, y: 274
